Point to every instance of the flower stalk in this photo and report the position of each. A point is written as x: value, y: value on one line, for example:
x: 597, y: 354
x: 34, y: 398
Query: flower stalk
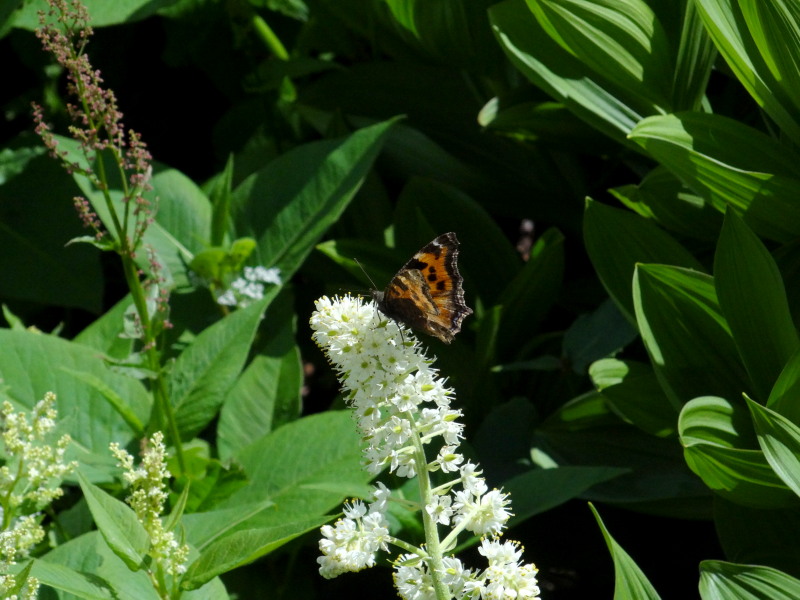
x: 403, y: 410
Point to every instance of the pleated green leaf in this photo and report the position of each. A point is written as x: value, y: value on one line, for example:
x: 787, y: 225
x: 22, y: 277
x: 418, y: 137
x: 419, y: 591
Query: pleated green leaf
x: 710, y: 431
x: 779, y: 439
x: 620, y: 40
x: 729, y: 164
x: 723, y: 580
x: 616, y: 240
x: 686, y: 335
x: 734, y: 35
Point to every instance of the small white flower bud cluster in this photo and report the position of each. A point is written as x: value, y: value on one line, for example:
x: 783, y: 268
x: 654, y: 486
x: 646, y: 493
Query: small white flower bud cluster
x: 147, y: 499
x: 249, y: 288
x: 401, y: 405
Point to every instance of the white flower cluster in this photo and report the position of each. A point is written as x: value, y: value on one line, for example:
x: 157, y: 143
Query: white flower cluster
x: 29, y: 481
x: 401, y: 405
x: 250, y: 287
x: 147, y: 501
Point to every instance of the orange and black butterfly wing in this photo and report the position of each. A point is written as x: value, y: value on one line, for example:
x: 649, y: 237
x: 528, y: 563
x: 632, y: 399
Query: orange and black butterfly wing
x: 426, y: 293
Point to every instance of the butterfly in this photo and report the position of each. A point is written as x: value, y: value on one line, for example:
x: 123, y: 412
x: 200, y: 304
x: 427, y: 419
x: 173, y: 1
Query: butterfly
x: 426, y: 294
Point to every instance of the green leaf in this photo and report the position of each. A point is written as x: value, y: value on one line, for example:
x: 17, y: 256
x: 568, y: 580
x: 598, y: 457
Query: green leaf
x: 119, y: 404
x: 753, y: 298
x: 78, y: 584
x: 785, y: 396
x: 715, y: 449
x: 106, y: 575
x: 662, y: 197
x: 118, y: 524
x: 204, y: 372
x: 241, y: 548
x: 729, y: 164
x: 734, y: 37
x: 269, y: 385
x: 591, y: 337
x: 633, y: 391
x: 102, y: 13
x: 779, y: 439
x: 539, y: 490
x: 32, y: 364
x: 37, y: 219
x: 616, y: 240
x: 561, y: 75
x: 289, y: 204
x: 530, y: 295
x: 103, y: 333
x: 686, y: 335
x: 723, y: 580
x: 694, y: 62
x: 630, y: 582
x: 620, y: 40
x: 306, y: 468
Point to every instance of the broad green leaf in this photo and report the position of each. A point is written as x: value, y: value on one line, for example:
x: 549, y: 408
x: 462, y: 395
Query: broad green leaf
x: 77, y: 584
x: 723, y: 580
x: 107, y: 575
x: 32, y: 364
x: 779, y: 439
x: 633, y: 392
x: 243, y: 547
x: 103, y: 333
x: 616, y: 240
x: 630, y: 583
x: 539, y: 490
x: 306, y: 468
x: 118, y: 524
x: 119, y: 403
x: 288, y: 205
x: 686, y: 335
x: 102, y: 13
x: 267, y: 390
x: 561, y: 75
x: 719, y: 454
x: 662, y: 197
x: 204, y: 528
x: 593, y: 336
x: 728, y: 29
x: 729, y: 164
x: 37, y: 219
x: 206, y: 370
x: 620, y: 40
x: 753, y: 298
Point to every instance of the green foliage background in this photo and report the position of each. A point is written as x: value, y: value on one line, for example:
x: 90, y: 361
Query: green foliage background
x: 642, y: 354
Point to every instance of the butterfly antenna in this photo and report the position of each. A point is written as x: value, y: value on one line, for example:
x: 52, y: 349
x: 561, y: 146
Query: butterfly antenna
x: 374, y: 287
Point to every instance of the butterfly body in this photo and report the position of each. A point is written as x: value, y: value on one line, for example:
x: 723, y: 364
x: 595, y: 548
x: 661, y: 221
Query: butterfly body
x: 426, y: 294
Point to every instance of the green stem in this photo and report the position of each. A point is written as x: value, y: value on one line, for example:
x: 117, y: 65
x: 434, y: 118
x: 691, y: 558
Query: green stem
x: 432, y: 543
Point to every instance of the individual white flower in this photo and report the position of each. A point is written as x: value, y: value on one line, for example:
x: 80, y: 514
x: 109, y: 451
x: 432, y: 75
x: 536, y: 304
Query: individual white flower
x: 482, y: 515
x: 472, y: 481
x: 441, y: 509
x: 448, y: 460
